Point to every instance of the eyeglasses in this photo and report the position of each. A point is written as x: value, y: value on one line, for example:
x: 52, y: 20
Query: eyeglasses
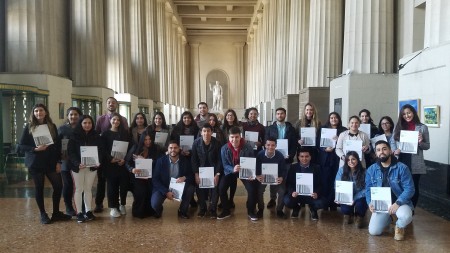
x: 385, y: 124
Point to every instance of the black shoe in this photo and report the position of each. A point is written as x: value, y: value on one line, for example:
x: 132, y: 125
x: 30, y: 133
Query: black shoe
x: 272, y: 203
x: 80, y: 218
x: 156, y: 215
x: 60, y: 216
x: 45, y: 219
x: 252, y: 217
x: 314, y: 215
x: 295, y: 213
x: 220, y: 206
x: 90, y: 216
x: 182, y: 215
x: 224, y: 215
x: 71, y: 212
x: 193, y: 203
x: 213, y: 215
x: 98, y: 209
x: 281, y: 215
x: 232, y: 205
x: 201, y: 213
x: 260, y: 214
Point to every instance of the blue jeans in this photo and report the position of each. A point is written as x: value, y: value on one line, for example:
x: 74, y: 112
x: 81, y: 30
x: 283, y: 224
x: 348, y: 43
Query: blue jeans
x: 158, y: 199
x: 359, y: 208
x: 291, y: 202
x: 379, y: 221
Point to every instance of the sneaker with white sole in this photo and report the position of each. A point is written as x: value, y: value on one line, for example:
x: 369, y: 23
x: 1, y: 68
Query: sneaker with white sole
x: 114, y: 213
x: 123, y: 210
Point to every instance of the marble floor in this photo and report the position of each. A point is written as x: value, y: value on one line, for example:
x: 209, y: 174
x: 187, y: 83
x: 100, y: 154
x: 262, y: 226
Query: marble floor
x: 22, y: 232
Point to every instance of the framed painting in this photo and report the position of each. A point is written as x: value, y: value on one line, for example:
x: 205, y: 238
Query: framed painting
x: 431, y: 115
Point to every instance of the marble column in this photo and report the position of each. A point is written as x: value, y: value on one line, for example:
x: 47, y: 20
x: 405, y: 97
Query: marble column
x: 268, y: 36
x: 437, y: 22
x: 183, y: 78
x: 325, y: 41
x: 152, y: 49
x: 87, y: 45
x: 282, y: 16
x: 195, y: 74
x: 169, y: 54
x: 237, y: 89
x: 138, y: 50
x: 249, y: 89
x: 298, y: 46
x: 36, y: 37
x: 369, y: 36
x: 118, y: 60
x: 162, y: 49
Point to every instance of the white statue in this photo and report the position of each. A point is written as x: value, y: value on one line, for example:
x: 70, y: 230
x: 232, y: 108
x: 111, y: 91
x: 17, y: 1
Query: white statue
x: 217, y: 96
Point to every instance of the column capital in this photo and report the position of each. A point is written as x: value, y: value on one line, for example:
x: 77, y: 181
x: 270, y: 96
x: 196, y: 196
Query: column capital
x: 195, y: 44
x: 239, y: 44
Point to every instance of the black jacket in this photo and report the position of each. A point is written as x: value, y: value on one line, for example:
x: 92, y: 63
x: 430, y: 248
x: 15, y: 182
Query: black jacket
x: 199, y: 157
x: 290, y: 134
x: 81, y: 138
x: 291, y: 178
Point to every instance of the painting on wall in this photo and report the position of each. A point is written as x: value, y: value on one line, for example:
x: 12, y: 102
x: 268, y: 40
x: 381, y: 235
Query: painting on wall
x: 431, y: 115
x: 413, y: 102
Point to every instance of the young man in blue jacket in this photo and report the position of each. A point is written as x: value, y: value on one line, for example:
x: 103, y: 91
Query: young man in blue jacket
x: 172, y: 166
x: 388, y: 172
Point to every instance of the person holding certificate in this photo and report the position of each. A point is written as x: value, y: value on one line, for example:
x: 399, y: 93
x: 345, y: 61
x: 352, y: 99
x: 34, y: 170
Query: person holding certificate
x: 353, y: 172
x: 159, y: 131
x: 117, y: 176
x: 409, y: 120
x: 142, y: 182
x: 310, y: 118
x: 281, y: 129
x: 270, y: 156
x: 353, y: 139
x: 65, y: 132
x: 137, y: 127
x: 186, y: 126
x: 364, y: 116
x: 329, y: 162
x: 84, y: 166
x: 206, y: 153
x: 231, y: 154
x: 178, y: 167
x: 293, y: 198
x: 253, y: 125
x: 388, y: 172
x: 41, y: 146
x: 386, y: 127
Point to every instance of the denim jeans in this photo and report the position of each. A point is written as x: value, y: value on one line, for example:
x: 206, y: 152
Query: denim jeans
x: 379, y: 221
x: 359, y: 208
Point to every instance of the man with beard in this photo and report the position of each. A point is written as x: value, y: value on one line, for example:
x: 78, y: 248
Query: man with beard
x: 203, y: 114
x: 388, y: 172
x: 172, y: 166
x: 103, y: 124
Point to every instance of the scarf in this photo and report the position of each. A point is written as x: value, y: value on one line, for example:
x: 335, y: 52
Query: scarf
x: 410, y: 126
x: 236, y: 152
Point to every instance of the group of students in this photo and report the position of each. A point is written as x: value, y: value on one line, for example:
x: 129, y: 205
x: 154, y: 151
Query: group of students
x: 221, y: 146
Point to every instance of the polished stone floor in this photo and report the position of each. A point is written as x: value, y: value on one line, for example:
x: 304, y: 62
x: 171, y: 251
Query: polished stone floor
x: 22, y: 232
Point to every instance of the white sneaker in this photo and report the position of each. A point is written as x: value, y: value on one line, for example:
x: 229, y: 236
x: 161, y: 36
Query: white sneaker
x: 123, y: 210
x: 114, y: 213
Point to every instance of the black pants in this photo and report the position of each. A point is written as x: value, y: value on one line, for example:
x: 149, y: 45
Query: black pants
x: 118, y: 184
x: 250, y: 186
x: 55, y: 180
x: 142, y: 193
x: 415, y: 198
x: 101, y: 187
x: 67, y: 190
x: 203, y: 194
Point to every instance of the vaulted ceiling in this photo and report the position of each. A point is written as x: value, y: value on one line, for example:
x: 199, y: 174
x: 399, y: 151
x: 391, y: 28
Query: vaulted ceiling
x: 215, y: 17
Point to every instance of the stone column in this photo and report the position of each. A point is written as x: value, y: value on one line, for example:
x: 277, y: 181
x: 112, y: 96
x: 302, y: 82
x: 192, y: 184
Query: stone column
x: 195, y: 74
x: 325, y: 41
x: 36, y: 37
x: 282, y: 16
x: 268, y: 38
x: 87, y: 44
x: 138, y: 50
x: 250, y: 85
x: 369, y: 36
x: 152, y: 49
x: 237, y: 89
x: 118, y: 60
x: 169, y: 54
x: 184, y: 83
x: 437, y: 22
x: 162, y: 46
x: 298, y: 46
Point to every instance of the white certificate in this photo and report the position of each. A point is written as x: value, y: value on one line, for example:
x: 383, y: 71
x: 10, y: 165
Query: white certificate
x: 42, y: 136
x: 327, y: 136
x: 282, y: 146
x: 304, y: 183
x: 409, y: 140
x: 308, y: 136
x: 176, y: 188
x: 365, y: 128
x: 145, y: 166
x: 161, y: 138
x: 214, y: 135
x: 119, y: 149
x: 377, y: 138
x: 206, y: 175
x: 89, y: 156
x: 344, y: 192
x: 186, y: 142
x: 252, y: 137
x: 269, y: 171
x: 248, y: 168
x: 353, y: 145
x: 381, y: 198
x: 64, y: 143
